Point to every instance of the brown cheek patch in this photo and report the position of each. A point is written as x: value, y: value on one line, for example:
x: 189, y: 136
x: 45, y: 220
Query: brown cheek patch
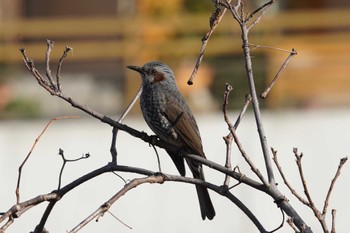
x: 158, y: 76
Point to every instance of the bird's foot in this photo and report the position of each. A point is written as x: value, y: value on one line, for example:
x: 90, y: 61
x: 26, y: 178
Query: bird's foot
x: 165, y: 176
x: 154, y: 139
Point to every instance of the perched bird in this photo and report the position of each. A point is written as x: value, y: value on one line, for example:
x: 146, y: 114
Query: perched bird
x: 170, y: 118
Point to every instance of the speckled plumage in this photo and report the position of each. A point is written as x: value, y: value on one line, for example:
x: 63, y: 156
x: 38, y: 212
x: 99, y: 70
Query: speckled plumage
x: 170, y: 118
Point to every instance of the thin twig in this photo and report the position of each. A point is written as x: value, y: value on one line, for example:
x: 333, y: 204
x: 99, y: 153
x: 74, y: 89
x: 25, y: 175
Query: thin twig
x: 229, y: 138
x: 214, y: 22
x: 31, y: 151
x: 284, y: 178
x: 65, y: 161
x: 118, y: 219
x: 50, y: 45
x: 261, y: 10
x: 113, y: 149
x: 158, y: 158
x: 248, y: 100
x: 131, y: 105
x: 228, y: 164
x: 337, y: 174
x: 282, y: 223
x: 7, y: 224
x: 313, y: 207
x: 161, y: 178
x: 233, y: 133
x: 302, y: 177
x: 292, y: 225
x: 234, y: 10
x: 257, y: 46
x: 334, y: 213
x: 58, y: 72
x: 284, y: 65
x: 115, y: 130
x: 105, y: 207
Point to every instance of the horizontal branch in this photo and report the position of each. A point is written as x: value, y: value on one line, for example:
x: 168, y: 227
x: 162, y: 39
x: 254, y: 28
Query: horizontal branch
x: 16, y: 210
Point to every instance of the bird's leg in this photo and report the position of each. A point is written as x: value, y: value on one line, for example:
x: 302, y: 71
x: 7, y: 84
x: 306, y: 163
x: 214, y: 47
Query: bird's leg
x: 155, y: 138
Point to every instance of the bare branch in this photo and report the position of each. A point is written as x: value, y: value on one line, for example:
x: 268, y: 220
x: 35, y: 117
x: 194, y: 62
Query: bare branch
x: 228, y: 139
x: 65, y: 160
x: 42, y: 82
x: 302, y: 178
x: 282, y: 222
x: 113, y: 215
x: 228, y: 164
x: 256, y: 108
x: 274, y: 80
x: 275, y: 159
x: 50, y: 45
x: 337, y: 174
x: 292, y: 225
x: 317, y: 213
x: 234, y: 10
x: 31, y: 150
x: 161, y: 178
x: 214, y: 22
x: 261, y: 10
x: 115, y: 130
x: 334, y: 214
x: 248, y: 100
x: 105, y: 207
x: 58, y: 72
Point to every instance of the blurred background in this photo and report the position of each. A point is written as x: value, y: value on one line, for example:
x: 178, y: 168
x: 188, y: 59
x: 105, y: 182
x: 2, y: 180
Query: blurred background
x: 110, y: 34
x: 308, y: 108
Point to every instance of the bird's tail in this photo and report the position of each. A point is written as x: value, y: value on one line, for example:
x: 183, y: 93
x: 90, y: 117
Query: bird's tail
x: 205, y: 204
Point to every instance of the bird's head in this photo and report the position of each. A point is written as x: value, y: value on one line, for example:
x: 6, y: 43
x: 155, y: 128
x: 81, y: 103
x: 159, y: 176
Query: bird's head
x: 155, y: 72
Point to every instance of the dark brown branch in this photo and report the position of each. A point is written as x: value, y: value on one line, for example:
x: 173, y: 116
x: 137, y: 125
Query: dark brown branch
x: 161, y: 178
x: 65, y: 161
x: 236, y: 175
x: 55, y: 196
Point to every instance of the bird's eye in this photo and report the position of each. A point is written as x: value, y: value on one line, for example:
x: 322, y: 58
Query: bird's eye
x: 152, y: 71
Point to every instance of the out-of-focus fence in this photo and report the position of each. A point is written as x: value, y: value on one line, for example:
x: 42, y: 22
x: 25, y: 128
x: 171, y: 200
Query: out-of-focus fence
x: 322, y: 39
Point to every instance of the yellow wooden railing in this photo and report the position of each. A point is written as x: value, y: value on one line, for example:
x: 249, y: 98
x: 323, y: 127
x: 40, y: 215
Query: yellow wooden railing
x: 125, y: 38
x: 321, y: 37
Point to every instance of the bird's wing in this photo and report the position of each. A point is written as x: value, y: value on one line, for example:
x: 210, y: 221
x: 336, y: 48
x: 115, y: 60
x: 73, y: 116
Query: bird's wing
x: 185, y: 126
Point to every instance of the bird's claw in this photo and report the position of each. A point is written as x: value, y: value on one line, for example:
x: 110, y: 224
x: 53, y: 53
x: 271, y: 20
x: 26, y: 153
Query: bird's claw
x: 165, y: 176
x: 154, y: 139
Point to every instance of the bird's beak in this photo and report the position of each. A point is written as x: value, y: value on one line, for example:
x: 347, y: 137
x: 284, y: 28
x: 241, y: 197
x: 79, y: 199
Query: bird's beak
x: 136, y: 68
